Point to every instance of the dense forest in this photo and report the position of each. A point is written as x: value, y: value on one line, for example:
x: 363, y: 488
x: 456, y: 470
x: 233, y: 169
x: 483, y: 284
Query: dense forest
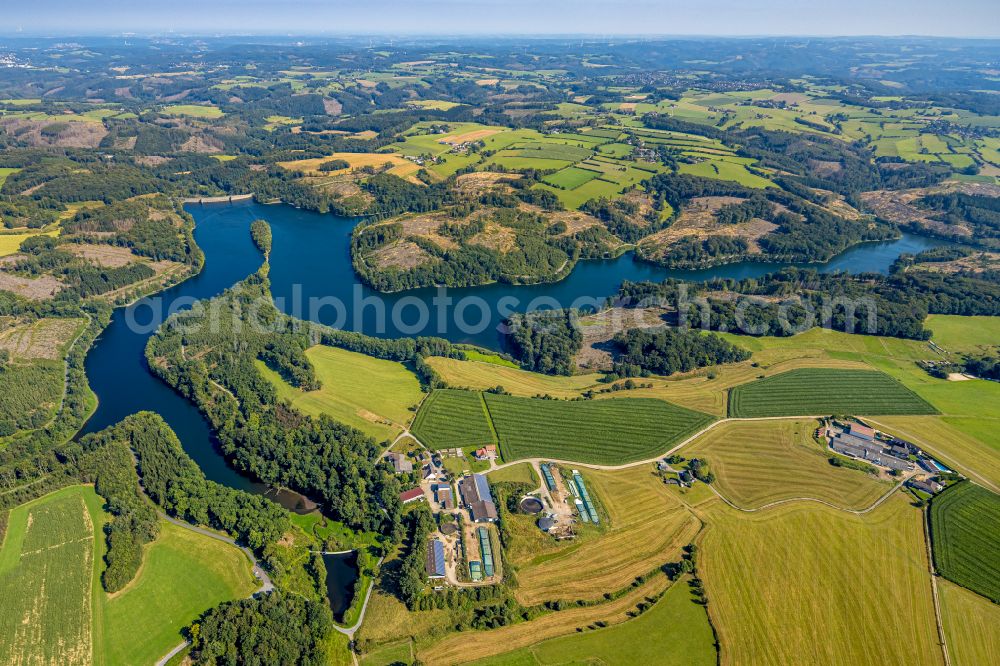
x: 276, y: 628
x: 318, y: 457
x: 545, y: 340
x: 793, y: 300
x: 664, y: 351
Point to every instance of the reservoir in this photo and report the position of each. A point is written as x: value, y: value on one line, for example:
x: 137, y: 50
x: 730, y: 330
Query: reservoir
x: 310, y: 262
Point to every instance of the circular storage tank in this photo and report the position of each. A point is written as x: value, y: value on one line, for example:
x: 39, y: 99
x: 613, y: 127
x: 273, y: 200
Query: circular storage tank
x: 531, y: 505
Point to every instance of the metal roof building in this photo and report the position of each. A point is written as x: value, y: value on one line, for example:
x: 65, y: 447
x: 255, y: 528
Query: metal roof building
x: 435, y: 559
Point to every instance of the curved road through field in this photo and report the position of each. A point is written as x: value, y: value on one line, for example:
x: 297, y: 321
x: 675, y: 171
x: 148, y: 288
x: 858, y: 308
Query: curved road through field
x: 265, y: 581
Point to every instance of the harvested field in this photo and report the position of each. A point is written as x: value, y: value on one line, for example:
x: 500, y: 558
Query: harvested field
x: 467, y: 137
x: 44, y: 338
x: 481, y: 376
x: 647, y: 527
x: 469, y: 646
x: 674, y: 632
x: 392, y: 163
x: 756, y: 463
x: 804, y: 583
x: 971, y: 626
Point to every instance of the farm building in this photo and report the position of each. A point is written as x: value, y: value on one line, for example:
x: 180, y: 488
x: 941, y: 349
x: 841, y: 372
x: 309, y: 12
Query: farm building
x: 442, y: 495
x: 400, y: 463
x: 486, y: 550
x: 476, y: 570
x: 588, y: 504
x: 929, y: 486
x: 477, y: 498
x: 411, y: 495
x: 856, y: 447
x: 550, y: 482
x: 435, y: 559
x: 488, y: 452
x: 861, y: 431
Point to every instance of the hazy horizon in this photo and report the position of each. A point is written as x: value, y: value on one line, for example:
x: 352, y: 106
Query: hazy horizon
x: 556, y: 18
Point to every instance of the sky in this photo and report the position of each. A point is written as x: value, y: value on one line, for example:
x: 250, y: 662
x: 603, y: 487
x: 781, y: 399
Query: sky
x: 953, y: 18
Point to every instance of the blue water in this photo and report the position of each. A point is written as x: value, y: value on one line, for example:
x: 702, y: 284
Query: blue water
x: 310, y: 260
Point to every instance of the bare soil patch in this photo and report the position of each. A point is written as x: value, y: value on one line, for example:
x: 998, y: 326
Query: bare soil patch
x: 109, y: 256
x: 598, y: 330
x: 75, y: 134
x: 698, y: 220
x: 36, y: 289
x: 475, y: 135
x: 496, y: 237
x: 479, y: 182
x: 201, y: 144
x: 402, y: 255
x: 426, y: 226
x: 44, y: 338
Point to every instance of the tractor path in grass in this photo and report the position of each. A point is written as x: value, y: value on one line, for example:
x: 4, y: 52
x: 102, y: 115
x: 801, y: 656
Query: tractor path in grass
x: 856, y: 512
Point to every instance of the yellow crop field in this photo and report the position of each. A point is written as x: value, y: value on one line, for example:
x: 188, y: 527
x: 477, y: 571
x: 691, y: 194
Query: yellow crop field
x: 469, y: 646
x: 807, y: 584
x: 758, y: 462
x: 11, y: 243
x: 401, y: 166
x: 648, y: 526
x: 971, y: 625
x: 481, y: 376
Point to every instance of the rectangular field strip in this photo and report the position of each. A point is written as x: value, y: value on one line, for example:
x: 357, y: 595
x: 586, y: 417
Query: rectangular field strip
x: 46, y: 612
x: 612, y: 431
x: 450, y: 418
x: 965, y: 533
x: 821, y: 391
